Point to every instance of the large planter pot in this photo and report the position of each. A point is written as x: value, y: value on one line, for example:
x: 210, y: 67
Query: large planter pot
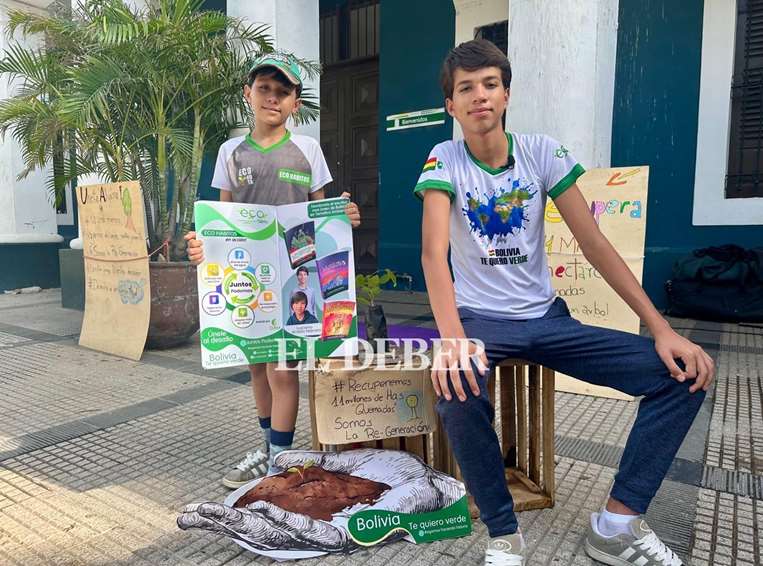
x: 72, y: 267
x: 174, y: 304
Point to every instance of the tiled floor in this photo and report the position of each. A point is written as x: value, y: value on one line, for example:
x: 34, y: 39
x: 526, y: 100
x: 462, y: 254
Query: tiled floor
x: 98, y: 454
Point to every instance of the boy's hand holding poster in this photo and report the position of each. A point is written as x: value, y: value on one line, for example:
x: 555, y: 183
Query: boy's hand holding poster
x: 337, y: 502
x: 275, y: 272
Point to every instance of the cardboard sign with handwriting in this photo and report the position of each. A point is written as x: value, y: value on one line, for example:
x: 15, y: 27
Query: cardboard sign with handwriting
x: 617, y: 197
x: 372, y: 404
x: 117, y: 287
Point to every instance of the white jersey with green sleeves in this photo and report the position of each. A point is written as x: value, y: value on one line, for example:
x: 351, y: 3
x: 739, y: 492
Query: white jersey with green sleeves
x: 496, y: 222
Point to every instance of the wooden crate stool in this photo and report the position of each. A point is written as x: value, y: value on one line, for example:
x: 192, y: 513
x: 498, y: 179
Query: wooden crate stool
x: 420, y: 445
x: 525, y: 392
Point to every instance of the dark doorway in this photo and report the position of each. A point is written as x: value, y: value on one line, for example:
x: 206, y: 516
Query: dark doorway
x: 350, y: 114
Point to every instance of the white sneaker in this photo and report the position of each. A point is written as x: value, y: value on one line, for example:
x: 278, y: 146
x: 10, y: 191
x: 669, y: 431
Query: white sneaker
x: 639, y: 547
x: 253, y: 466
x: 507, y: 550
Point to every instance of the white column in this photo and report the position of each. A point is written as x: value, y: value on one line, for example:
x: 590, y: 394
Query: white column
x: 27, y: 212
x: 294, y: 28
x: 473, y: 14
x: 563, y: 63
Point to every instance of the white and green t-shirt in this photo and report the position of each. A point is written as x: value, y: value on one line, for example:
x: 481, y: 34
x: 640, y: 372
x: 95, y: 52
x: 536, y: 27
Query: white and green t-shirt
x: 496, y: 222
x: 284, y: 173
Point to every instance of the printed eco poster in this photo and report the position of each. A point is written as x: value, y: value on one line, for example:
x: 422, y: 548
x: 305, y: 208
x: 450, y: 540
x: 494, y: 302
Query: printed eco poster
x: 337, y: 502
x: 117, y: 284
x: 618, y: 198
x: 275, y: 272
x: 371, y: 404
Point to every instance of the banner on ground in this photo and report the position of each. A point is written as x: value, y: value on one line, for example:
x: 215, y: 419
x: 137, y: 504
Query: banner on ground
x: 337, y: 502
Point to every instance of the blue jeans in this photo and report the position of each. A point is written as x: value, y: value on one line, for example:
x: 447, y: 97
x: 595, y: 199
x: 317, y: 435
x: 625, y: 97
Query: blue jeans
x: 620, y: 360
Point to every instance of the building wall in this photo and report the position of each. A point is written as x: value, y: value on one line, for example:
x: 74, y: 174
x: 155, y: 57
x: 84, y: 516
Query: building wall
x: 563, y: 66
x: 415, y: 36
x: 294, y: 28
x: 29, y: 240
x: 470, y: 15
x: 26, y: 207
x: 655, y: 122
x: 711, y: 208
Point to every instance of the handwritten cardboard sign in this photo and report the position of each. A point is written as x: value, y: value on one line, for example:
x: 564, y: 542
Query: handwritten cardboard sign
x: 371, y: 404
x: 618, y: 198
x: 117, y: 288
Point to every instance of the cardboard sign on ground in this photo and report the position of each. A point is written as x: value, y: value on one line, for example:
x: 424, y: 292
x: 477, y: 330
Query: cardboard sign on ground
x: 618, y: 198
x: 117, y: 286
x: 372, y: 404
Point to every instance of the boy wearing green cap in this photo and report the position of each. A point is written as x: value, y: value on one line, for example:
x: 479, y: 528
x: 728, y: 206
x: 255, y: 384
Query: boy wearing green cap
x: 270, y: 166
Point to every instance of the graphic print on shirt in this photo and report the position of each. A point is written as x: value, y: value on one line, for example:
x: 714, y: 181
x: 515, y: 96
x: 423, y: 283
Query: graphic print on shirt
x: 496, y: 216
x: 245, y: 176
x: 495, y: 223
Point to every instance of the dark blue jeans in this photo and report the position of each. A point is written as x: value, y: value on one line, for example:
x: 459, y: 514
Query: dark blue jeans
x: 620, y: 360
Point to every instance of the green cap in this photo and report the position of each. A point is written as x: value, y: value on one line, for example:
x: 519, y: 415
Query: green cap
x: 284, y: 63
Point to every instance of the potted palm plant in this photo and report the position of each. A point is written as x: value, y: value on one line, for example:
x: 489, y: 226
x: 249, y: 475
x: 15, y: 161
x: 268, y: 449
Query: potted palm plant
x: 136, y: 94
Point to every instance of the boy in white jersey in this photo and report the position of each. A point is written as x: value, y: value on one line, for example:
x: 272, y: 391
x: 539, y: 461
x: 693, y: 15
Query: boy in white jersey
x: 270, y: 166
x: 484, y: 199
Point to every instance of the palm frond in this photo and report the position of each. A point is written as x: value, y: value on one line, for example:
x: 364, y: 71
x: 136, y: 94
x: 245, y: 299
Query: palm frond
x: 308, y: 112
x: 249, y: 38
x: 93, y: 84
x: 180, y: 142
x: 26, y: 64
x: 29, y: 23
x: 130, y: 89
x: 70, y: 172
x: 311, y: 69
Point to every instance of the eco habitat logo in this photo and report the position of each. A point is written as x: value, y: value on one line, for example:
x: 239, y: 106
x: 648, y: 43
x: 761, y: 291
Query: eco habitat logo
x: 253, y: 216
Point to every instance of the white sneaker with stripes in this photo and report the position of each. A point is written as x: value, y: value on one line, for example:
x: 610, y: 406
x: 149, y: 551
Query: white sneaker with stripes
x: 639, y: 547
x: 253, y: 466
x: 507, y: 550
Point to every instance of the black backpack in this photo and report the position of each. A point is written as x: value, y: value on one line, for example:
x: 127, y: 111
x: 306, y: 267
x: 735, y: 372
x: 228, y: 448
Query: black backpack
x: 718, y: 283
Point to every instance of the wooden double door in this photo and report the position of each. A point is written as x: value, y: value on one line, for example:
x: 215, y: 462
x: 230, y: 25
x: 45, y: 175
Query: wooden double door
x: 350, y: 141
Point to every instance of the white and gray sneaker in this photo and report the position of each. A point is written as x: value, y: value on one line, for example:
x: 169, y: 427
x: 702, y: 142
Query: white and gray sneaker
x: 253, y: 466
x: 640, y: 547
x: 508, y: 550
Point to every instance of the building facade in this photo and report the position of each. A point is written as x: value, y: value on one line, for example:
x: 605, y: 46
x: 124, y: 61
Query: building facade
x: 675, y: 86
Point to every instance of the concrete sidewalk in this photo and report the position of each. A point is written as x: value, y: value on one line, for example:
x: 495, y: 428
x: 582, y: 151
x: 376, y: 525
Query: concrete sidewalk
x: 97, y: 453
